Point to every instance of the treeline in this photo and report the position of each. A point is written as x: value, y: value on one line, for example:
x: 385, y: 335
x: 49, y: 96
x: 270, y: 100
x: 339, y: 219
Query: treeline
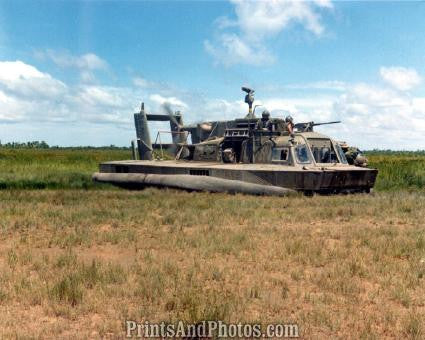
x: 394, y: 152
x: 28, y: 145
x: 44, y: 145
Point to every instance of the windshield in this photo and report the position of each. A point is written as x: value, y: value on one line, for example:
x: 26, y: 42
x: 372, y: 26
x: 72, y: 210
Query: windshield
x: 323, y: 150
x: 302, y: 154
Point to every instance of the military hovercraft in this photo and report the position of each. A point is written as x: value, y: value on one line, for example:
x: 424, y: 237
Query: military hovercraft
x: 249, y: 155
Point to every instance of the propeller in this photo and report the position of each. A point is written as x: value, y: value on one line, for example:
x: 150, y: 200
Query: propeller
x: 166, y: 106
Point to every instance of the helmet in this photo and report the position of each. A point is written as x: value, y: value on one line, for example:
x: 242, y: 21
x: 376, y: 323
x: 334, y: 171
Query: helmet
x: 266, y: 114
x: 360, y: 160
x: 289, y: 119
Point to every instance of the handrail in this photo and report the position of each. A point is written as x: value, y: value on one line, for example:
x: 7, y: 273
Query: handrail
x: 158, y: 137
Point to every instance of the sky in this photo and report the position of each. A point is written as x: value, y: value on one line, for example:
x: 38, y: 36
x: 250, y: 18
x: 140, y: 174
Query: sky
x: 74, y: 72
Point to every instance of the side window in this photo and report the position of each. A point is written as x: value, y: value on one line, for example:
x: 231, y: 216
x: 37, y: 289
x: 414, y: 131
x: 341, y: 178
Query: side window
x: 341, y: 153
x: 280, y: 154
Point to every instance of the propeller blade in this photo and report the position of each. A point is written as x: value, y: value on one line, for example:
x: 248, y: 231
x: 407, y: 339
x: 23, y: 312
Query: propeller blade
x: 167, y: 108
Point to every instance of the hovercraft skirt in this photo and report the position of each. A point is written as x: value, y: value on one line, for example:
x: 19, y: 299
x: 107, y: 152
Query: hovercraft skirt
x: 190, y: 182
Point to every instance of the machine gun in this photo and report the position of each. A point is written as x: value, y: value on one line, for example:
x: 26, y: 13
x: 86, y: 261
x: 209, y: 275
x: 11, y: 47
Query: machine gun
x: 308, y: 127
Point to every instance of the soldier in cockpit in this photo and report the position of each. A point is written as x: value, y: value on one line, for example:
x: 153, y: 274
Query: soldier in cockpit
x: 264, y: 123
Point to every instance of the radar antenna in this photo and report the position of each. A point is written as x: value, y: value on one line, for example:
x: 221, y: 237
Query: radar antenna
x: 249, y: 99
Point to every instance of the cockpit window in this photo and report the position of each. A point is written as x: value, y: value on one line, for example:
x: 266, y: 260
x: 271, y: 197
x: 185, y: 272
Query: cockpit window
x: 301, y: 153
x: 280, y: 154
x: 341, y: 153
x: 323, y: 150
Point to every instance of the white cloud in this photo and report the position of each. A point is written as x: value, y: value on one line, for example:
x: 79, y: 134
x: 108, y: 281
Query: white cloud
x: 87, y: 77
x: 158, y: 99
x: 15, y: 70
x: 303, y: 109
x: 401, y: 78
x: 333, y: 85
x: 11, y: 110
x: 87, y: 64
x: 372, y: 116
x: 101, y: 96
x: 31, y: 100
x: 88, y: 61
x: 220, y: 109
x: 25, y: 81
x: 144, y: 83
x: 233, y: 50
x: 29, y: 95
x: 381, y: 118
x: 260, y: 19
x: 257, y: 22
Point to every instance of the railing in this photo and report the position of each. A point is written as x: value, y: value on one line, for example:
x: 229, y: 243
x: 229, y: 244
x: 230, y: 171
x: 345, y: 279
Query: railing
x: 158, y: 139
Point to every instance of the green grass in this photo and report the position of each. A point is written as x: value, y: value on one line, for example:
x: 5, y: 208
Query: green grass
x: 53, y: 168
x: 72, y: 168
x: 398, y: 170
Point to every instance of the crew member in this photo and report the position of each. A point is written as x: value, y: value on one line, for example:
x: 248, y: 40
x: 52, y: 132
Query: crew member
x: 289, y: 124
x: 264, y: 123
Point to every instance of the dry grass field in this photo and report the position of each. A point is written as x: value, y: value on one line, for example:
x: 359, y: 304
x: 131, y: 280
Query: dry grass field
x: 78, y: 259
x: 78, y: 263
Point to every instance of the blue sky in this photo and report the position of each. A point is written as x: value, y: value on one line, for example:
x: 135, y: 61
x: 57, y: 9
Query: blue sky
x: 72, y: 72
